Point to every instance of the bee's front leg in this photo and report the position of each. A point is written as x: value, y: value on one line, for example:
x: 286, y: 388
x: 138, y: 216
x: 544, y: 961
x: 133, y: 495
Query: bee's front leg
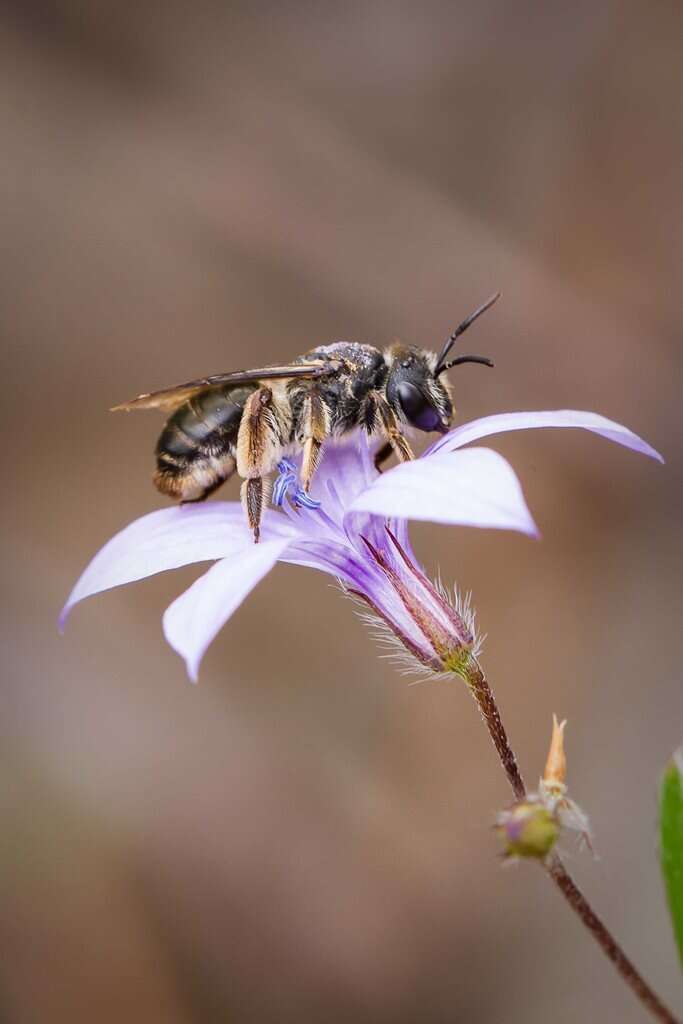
x: 382, y: 454
x: 392, y: 431
x: 259, y: 447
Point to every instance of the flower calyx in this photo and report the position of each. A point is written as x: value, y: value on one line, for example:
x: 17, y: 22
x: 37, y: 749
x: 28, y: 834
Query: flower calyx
x: 448, y: 642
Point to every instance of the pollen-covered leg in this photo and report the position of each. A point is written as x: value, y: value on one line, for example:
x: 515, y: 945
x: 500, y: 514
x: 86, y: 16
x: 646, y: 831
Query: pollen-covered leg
x: 263, y: 429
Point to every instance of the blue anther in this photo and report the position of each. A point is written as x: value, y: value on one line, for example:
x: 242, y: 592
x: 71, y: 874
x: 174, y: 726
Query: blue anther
x: 303, y: 498
x: 285, y: 480
x: 280, y: 488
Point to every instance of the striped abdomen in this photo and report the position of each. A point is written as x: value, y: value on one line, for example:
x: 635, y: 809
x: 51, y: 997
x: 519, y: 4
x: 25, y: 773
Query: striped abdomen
x: 195, y: 452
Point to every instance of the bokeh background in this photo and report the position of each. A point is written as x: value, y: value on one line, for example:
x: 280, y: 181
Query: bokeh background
x: 190, y: 188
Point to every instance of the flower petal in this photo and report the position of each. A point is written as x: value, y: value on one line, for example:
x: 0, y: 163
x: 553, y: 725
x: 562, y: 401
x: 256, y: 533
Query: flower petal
x: 349, y: 464
x: 505, y: 421
x: 477, y: 487
x: 194, y: 618
x: 167, y: 539
x: 338, y: 560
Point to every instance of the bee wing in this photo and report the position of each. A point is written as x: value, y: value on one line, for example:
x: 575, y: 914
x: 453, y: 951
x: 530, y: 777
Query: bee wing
x: 170, y: 398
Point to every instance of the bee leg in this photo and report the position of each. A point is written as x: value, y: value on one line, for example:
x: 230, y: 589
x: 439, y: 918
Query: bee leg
x: 382, y: 454
x: 227, y: 473
x: 252, y: 502
x: 393, y: 433
x: 259, y: 447
x: 202, y: 497
x: 315, y: 427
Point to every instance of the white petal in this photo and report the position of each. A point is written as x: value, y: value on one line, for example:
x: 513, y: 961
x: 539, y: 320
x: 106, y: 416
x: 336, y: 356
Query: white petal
x: 167, y: 539
x: 505, y: 421
x: 476, y: 487
x: 194, y: 618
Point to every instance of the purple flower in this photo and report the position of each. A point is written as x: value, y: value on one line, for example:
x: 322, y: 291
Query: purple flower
x: 358, y: 534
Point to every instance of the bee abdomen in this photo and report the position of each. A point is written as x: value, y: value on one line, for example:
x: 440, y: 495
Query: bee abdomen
x: 195, y: 450
x: 196, y: 421
x: 192, y: 479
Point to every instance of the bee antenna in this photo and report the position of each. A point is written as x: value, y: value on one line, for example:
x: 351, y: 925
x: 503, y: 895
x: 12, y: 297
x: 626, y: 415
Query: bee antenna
x: 466, y: 359
x: 441, y: 361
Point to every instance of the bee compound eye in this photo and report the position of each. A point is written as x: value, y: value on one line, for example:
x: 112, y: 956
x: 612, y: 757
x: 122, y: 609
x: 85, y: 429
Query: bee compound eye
x: 417, y: 409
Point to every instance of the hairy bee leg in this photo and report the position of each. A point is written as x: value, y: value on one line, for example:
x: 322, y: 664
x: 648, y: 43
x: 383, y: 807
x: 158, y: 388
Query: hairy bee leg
x: 310, y: 462
x: 260, y: 438
x: 315, y: 428
x: 393, y: 433
x: 202, y: 497
x: 230, y: 469
x: 252, y: 502
x: 382, y: 454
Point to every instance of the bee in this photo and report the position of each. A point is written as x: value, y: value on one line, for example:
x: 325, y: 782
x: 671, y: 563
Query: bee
x: 246, y: 421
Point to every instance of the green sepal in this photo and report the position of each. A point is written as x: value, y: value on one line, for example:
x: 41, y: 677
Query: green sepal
x: 671, y: 840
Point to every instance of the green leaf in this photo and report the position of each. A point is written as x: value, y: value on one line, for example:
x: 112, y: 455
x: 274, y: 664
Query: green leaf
x: 671, y: 838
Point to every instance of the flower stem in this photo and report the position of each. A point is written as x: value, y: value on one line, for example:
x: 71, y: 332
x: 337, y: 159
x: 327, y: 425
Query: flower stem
x: 603, y: 937
x: 486, y: 702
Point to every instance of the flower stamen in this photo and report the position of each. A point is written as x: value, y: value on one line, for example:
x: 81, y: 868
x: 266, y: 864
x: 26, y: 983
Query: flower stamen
x: 286, y: 482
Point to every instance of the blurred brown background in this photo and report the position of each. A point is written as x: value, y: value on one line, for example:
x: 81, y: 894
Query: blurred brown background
x: 189, y: 188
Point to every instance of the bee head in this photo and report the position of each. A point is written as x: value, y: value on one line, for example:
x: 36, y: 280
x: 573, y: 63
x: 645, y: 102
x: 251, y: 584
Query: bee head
x: 415, y: 392
x: 414, y: 388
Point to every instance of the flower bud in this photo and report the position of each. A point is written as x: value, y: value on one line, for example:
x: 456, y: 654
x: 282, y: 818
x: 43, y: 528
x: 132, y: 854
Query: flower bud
x: 528, y: 829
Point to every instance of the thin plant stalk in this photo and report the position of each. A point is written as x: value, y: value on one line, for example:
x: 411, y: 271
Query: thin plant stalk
x: 486, y: 702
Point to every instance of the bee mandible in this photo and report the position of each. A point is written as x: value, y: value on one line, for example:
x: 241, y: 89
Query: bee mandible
x: 248, y: 420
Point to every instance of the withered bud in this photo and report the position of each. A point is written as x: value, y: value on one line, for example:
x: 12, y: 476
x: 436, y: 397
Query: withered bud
x: 555, y: 773
x: 552, y: 789
x: 529, y: 829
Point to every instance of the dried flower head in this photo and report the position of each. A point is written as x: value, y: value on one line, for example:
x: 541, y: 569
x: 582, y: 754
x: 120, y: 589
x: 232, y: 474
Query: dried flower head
x: 552, y: 789
x: 528, y: 829
x: 531, y: 827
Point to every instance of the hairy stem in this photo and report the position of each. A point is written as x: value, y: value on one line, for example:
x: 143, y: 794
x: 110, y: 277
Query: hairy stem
x: 604, y: 938
x: 486, y: 702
